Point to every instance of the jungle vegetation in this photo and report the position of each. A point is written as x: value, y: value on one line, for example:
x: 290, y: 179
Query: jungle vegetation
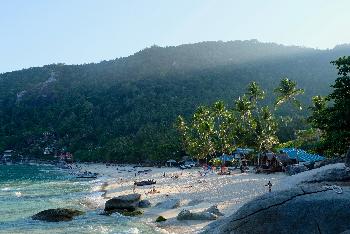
x: 124, y: 109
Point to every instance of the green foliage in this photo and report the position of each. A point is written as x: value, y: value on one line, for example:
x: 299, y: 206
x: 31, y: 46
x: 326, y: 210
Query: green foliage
x: 160, y: 219
x: 332, y: 114
x: 216, y: 130
x: 130, y: 213
x: 123, y: 110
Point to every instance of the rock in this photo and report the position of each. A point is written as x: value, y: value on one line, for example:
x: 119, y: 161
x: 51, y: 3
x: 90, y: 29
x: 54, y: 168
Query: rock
x: 124, y: 202
x: 328, y: 161
x: 335, y: 172
x: 303, y: 209
x: 347, y: 159
x: 160, y: 219
x: 187, y: 215
x: 169, y: 204
x: 57, y: 215
x: 214, y: 210
x: 295, y: 169
x: 144, y: 204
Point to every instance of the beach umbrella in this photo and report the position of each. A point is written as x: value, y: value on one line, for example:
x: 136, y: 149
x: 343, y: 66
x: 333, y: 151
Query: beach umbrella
x: 170, y: 161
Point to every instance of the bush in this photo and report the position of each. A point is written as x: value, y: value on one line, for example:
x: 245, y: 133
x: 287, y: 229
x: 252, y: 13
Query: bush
x: 160, y: 219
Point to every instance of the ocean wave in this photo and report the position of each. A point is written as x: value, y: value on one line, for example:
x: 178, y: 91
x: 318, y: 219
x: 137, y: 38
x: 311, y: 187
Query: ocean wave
x: 6, y: 189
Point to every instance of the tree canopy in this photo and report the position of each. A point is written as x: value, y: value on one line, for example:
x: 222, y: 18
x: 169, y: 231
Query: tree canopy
x: 124, y: 109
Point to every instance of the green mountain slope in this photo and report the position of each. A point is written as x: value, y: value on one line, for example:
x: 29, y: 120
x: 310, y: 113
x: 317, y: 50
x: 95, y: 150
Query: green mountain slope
x: 124, y: 109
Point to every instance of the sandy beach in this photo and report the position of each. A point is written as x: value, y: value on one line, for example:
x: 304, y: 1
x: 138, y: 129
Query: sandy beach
x: 196, y: 192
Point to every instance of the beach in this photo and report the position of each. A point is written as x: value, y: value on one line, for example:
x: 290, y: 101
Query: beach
x: 195, y: 191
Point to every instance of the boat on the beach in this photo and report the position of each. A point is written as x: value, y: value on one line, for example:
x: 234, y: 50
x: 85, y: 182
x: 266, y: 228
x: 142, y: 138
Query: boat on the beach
x: 87, y: 175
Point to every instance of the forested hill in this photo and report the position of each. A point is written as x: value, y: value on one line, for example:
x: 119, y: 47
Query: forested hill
x: 124, y: 109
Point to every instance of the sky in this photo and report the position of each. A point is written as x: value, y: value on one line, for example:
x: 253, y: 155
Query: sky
x: 39, y: 32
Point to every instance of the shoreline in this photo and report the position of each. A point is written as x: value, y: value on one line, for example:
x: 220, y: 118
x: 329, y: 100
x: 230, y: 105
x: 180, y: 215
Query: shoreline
x: 194, y: 191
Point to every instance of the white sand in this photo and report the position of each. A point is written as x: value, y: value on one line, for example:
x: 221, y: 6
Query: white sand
x: 229, y: 192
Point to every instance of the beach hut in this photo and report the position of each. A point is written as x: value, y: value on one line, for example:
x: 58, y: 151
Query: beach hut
x: 240, y: 153
x: 224, y: 158
x: 171, y: 163
x: 271, y: 162
x: 301, y: 155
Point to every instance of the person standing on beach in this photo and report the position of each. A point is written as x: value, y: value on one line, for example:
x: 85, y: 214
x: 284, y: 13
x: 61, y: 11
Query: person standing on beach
x: 270, y: 185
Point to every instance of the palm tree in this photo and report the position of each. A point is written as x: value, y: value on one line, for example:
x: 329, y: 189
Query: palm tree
x: 244, y: 106
x: 255, y: 92
x: 266, y: 129
x: 286, y: 92
x: 224, y: 125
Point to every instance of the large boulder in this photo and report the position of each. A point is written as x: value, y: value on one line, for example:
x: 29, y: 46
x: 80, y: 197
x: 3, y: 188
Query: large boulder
x: 57, y: 215
x: 328, y: 161
x: 169, y: 204
x: 188, y: 215
x: 303, y: 209
x: 125, y: 202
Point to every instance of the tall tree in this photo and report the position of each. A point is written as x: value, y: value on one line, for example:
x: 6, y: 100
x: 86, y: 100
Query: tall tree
x: 333, y: 118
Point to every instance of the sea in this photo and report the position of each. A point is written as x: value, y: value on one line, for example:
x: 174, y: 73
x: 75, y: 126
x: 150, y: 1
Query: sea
x: 28, y: 189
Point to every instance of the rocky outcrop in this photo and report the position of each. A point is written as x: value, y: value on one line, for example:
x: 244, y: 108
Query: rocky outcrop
x: 188, y: 215
x: 169, y: 204
x: 125, y: 202
x: 327, y: 174
x: 57, y: 215
x: 144, y: 204
x: 328, y: 161
x: 303, y: 209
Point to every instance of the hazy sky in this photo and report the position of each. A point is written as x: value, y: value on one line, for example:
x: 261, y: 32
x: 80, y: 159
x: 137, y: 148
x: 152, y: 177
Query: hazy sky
x: 38, y: 32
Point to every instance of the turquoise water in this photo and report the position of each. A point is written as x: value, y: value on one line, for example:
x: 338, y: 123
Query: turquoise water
x: 28, y: 189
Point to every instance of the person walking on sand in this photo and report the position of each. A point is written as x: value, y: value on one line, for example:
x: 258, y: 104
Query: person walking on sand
x: 270, y: 185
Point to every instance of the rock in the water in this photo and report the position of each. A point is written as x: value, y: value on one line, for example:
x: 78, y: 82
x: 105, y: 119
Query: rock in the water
x: 188, y: 215
x: 307, y: 209
x: 124, y: 202
x: 144, y: 204
x: 169, y: 204
x: 57, y: 215
x: 214, y: 210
